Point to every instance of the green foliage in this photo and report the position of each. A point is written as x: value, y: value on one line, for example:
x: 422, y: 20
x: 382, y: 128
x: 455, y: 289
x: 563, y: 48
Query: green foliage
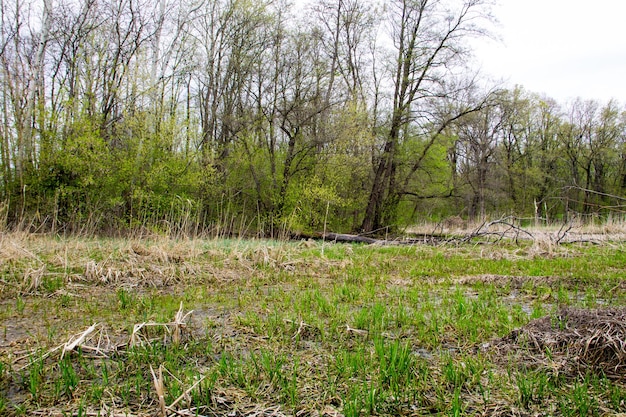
x: 91, y: 183
x: 281, y: 126
x: 69, y: 378
x: 432, y: 185
x: 307, y: 203
x: 145, y: 172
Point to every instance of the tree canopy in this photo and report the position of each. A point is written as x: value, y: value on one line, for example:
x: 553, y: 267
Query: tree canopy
x: 245, y: 116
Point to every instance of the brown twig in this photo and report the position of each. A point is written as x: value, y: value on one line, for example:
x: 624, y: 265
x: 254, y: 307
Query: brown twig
x: 71, y: 345
x: 356, y: 331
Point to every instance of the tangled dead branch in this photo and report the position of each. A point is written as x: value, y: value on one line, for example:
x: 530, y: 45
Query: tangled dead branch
x: 498, y: 230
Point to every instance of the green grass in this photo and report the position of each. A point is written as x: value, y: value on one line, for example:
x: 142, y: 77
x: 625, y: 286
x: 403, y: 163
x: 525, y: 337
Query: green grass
x: 358, y: 329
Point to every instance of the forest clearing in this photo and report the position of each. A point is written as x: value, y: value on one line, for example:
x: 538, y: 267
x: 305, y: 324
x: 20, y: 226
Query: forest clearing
x: 155, y: 326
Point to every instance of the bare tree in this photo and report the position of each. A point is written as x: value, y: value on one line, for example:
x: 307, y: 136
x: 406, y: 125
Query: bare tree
x: 232, y: 36
x: 300, y: 102
x: 478, y: 137
x: 346, y: 29
x: 428, y: 38
x: 24, y: 39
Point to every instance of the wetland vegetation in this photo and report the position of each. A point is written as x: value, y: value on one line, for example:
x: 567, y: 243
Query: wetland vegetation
x: 157, y: 326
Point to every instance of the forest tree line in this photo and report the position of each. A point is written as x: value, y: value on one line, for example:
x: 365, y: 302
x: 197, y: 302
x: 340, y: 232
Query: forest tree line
x: 260, y: 117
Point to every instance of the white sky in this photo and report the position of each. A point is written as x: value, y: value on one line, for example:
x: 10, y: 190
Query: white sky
x: 561, y: 48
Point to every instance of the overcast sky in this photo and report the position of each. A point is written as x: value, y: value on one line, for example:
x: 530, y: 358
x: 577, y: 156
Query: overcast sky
x: 562, y: 48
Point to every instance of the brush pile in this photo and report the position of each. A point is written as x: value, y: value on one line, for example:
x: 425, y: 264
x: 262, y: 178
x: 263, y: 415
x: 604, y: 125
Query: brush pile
x: 575, y: 341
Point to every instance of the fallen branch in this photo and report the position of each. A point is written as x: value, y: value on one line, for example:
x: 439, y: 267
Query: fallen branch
x: 340, y: 237
x: 70, y: 345
x: 563, y: 231
x: 486, y: 230
x: 356, y: 331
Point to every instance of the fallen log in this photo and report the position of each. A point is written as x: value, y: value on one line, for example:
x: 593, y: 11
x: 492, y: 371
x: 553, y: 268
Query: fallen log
x: 432, y: 239
x: 338, y: 237
x: 341, y: 237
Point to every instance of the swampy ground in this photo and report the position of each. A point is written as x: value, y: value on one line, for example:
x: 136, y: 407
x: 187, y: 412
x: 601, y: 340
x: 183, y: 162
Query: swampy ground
x: 156, y: 326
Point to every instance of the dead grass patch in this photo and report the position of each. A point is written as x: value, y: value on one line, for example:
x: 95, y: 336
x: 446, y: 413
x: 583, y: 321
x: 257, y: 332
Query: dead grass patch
x: 513, y: 281
x: 148, y: 275
x: 574, y: 341
x: 96, y: 341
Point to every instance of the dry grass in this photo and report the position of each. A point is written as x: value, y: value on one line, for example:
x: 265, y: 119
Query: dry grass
x: 29, y: 261
x: 574, y: 341
x: 504, y: 280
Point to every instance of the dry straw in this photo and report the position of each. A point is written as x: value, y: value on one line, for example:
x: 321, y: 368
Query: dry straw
x: 578, y: 341
x: 175, y: 329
